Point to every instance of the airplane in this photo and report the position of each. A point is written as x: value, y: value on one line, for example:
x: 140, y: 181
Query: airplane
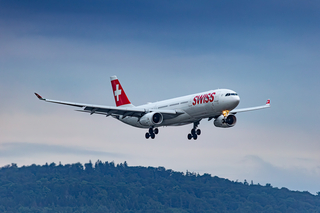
x: 216, y: 104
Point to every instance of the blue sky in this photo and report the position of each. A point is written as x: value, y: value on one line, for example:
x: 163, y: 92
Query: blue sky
x: 67, y: 50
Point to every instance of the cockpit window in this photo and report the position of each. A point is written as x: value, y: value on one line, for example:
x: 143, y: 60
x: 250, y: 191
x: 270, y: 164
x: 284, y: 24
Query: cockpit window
x: 234, y: 94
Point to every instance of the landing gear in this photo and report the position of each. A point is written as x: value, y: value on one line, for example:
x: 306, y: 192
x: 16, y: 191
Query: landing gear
x: 152, y: 133
x: 194, y: 132
x: 198, y: 132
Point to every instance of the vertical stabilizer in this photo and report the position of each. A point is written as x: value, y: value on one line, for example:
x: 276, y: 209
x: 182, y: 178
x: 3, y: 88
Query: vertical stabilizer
x: 120, y: 96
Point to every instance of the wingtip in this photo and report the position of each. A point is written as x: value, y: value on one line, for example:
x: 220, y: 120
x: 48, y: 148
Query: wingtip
x: 39, y: 96
x: 268, y: 102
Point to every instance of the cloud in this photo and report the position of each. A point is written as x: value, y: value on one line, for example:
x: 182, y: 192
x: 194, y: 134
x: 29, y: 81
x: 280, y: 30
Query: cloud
x: 22, y: 150
x: 278, y: 176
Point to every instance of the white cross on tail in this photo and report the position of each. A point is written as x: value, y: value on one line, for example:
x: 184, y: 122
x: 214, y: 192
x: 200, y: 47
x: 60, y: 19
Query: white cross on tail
x: 117, y: 92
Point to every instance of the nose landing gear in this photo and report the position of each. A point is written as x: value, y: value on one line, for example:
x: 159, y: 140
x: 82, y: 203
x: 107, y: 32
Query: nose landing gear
x: 194, y: 132
x: 152, y: 133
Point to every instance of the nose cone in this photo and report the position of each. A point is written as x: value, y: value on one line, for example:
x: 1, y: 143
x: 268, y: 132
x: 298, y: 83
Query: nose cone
x: 233, y: 99
x: 236, y: 100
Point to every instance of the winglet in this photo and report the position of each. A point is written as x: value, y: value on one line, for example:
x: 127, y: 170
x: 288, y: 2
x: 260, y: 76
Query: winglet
x: 39, y: 96
x: 268, y: 102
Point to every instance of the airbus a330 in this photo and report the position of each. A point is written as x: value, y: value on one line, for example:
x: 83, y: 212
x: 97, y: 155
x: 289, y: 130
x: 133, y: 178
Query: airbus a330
x: 218, y: 105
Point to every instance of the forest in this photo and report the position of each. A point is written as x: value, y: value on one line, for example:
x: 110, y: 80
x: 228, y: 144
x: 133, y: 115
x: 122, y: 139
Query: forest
x: 106, y: 187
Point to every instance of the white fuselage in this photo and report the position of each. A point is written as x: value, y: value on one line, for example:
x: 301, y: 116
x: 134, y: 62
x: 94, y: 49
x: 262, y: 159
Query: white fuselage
x: 208, y: 104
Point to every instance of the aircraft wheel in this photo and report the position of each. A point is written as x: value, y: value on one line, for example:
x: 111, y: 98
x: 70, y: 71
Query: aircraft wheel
x: 193, y: 131
x: 195, y: 137
x: 153, y: 135
x: 150, y: 131
x: 156, y: 131
x: 198, y: 132
x: 147, y: 135
x: 189, y: 136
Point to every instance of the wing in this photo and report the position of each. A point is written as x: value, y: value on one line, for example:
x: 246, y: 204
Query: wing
x: 109, y: 110
x: 267, y: 105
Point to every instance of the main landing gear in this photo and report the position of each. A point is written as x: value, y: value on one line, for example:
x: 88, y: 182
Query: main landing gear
x: 152, y: 133
x: 194, y: 132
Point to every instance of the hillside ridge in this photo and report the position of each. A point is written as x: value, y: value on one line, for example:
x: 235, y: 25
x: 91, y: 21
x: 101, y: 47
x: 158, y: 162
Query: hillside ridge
x: 106, y: 187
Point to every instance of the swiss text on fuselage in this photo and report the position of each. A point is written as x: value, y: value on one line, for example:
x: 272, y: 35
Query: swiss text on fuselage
x: 205, y: 98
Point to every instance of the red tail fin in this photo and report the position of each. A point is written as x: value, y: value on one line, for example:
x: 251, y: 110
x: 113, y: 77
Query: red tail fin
x: 120, y: 96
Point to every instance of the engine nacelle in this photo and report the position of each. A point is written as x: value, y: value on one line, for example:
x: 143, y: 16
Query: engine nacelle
x: 223, y: 122
x: 151, y: 119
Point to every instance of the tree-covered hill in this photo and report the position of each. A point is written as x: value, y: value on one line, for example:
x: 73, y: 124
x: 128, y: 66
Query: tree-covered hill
x: 105, y: 187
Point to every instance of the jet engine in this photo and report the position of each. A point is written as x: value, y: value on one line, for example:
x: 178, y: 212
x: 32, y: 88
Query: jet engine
x: 223, y: 122
x: 151, y: 119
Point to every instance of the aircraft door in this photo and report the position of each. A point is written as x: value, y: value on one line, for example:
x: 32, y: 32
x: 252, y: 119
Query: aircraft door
x: 215, y: 102
x: 216, y: 98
